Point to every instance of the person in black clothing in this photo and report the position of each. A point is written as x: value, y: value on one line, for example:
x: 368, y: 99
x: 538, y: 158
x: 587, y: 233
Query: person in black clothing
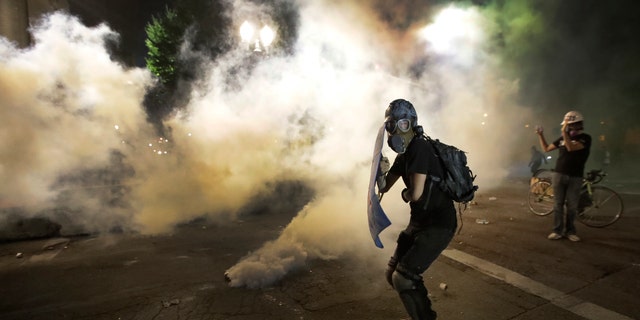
x: 573, y: 146
x: 433, y: 215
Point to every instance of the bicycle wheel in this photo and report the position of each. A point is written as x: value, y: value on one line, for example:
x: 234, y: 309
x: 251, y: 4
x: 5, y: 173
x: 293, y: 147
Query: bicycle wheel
x: 605, y: 208
x: 541, y: 198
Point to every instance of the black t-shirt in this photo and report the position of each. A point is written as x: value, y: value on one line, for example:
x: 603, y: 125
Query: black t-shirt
x: 440, y: 210
x: 572, y: 163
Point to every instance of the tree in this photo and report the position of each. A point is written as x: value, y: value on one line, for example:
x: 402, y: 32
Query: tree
x: 197, y: 25
x: 164, y: 35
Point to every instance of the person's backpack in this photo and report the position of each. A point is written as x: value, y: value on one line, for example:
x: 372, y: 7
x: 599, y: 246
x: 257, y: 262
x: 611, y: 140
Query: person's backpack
x: 457, y: 181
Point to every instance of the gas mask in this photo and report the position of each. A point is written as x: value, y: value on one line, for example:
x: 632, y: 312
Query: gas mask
x: 573, y: 130
x: 399, y: 135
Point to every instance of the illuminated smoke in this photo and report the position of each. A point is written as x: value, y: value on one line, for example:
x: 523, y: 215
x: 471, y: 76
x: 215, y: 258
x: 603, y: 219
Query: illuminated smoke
x: 73, y: 114
x: 61, y: 99
x: 459, y: 99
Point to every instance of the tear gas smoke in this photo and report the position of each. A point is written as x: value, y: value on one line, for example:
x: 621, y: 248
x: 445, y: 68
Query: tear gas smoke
x: 70, y: 115
x: 60, y: 101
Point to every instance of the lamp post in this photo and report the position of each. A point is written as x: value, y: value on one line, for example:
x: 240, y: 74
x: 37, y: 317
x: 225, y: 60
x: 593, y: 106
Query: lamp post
x: 258, y: 42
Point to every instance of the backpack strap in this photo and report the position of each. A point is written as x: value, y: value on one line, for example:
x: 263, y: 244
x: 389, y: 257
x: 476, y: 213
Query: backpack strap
x: 435, y: 178
x: 426, y: 201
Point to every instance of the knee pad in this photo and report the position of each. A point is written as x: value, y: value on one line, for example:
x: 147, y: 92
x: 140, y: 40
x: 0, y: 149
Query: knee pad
x: 402, y: 283
x: 414, y: 296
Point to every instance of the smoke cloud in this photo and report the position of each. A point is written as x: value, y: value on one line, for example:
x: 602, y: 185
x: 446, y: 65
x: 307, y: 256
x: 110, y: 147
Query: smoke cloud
x: 75, y: 135
x: 61, y: 101
x: 348, y: 77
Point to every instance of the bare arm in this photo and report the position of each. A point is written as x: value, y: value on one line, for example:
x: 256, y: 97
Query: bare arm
x: 417, y: 187
x: 543, y: 142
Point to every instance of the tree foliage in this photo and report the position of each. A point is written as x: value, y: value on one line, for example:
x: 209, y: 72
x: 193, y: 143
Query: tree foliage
x: 164, y: 35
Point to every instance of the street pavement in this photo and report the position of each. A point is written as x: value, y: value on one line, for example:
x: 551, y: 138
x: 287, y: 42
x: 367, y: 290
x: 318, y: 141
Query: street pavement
x: 502, y: 269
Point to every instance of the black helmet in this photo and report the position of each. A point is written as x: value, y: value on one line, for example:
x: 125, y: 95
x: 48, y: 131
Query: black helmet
x: 401, y: 109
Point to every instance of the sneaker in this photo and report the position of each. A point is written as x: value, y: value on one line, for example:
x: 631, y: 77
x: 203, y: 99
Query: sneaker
x: 554, y: 236
x: 573, y: 238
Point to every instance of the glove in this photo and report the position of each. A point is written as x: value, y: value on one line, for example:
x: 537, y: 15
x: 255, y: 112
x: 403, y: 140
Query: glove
x: 385, y: 165
x: 404, y: 197
x: 381, y: 182
x: 383, y: 168
x: 391, y: 268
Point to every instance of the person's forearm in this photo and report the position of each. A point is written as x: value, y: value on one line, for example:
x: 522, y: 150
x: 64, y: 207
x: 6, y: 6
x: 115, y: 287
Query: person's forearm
x: 543, y: 142
x: 409, y: 194
x: 417, y: 188
x: 390, y: 180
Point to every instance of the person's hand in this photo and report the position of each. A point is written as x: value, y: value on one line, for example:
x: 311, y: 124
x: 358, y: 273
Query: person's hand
x: 384, y: 165
x: 539, y: 130
x: 391, y: 267
x: 383, y: 168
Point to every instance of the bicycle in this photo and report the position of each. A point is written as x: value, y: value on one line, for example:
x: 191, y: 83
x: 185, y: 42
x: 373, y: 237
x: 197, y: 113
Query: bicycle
x: 599, y: 206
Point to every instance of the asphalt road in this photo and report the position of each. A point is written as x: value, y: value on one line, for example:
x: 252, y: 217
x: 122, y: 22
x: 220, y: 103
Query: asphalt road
x: 505, y: 269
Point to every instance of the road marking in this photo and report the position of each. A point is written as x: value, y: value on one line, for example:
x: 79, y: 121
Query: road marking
x: 573, y: 304
x: 46, y: 256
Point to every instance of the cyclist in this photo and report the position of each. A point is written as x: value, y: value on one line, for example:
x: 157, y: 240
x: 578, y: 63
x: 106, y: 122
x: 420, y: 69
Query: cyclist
x: 573, y: 146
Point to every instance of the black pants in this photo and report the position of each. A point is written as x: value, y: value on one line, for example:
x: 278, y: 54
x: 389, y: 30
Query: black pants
x: 425, y: 247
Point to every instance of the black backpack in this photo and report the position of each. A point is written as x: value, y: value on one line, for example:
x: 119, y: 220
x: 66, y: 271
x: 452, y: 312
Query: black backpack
x: 457, y: 181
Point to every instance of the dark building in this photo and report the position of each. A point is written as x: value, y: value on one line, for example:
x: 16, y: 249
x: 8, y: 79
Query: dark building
x: 17, y: 15
x: 126, y: 17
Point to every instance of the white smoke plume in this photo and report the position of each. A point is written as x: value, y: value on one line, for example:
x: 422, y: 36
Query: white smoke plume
x: 62, y: 99
x: 461, y: 100
x: 68, y: 111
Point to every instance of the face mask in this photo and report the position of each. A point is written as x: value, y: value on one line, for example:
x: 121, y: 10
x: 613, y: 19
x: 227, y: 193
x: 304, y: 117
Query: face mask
x: 572, y: 131
x: 400, y: 141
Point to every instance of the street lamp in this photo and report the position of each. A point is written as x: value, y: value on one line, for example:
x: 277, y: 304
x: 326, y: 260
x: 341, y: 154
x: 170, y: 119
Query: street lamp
x: 246, y: 31
x: 266, y: 36
x: 257, y: 42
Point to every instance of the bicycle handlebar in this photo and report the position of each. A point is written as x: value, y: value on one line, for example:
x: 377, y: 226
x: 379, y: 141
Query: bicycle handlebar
x: 596, y: 175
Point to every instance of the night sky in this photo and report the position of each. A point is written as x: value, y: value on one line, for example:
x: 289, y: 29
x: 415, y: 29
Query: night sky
x: 573, y: 54
x: 582, y: 55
